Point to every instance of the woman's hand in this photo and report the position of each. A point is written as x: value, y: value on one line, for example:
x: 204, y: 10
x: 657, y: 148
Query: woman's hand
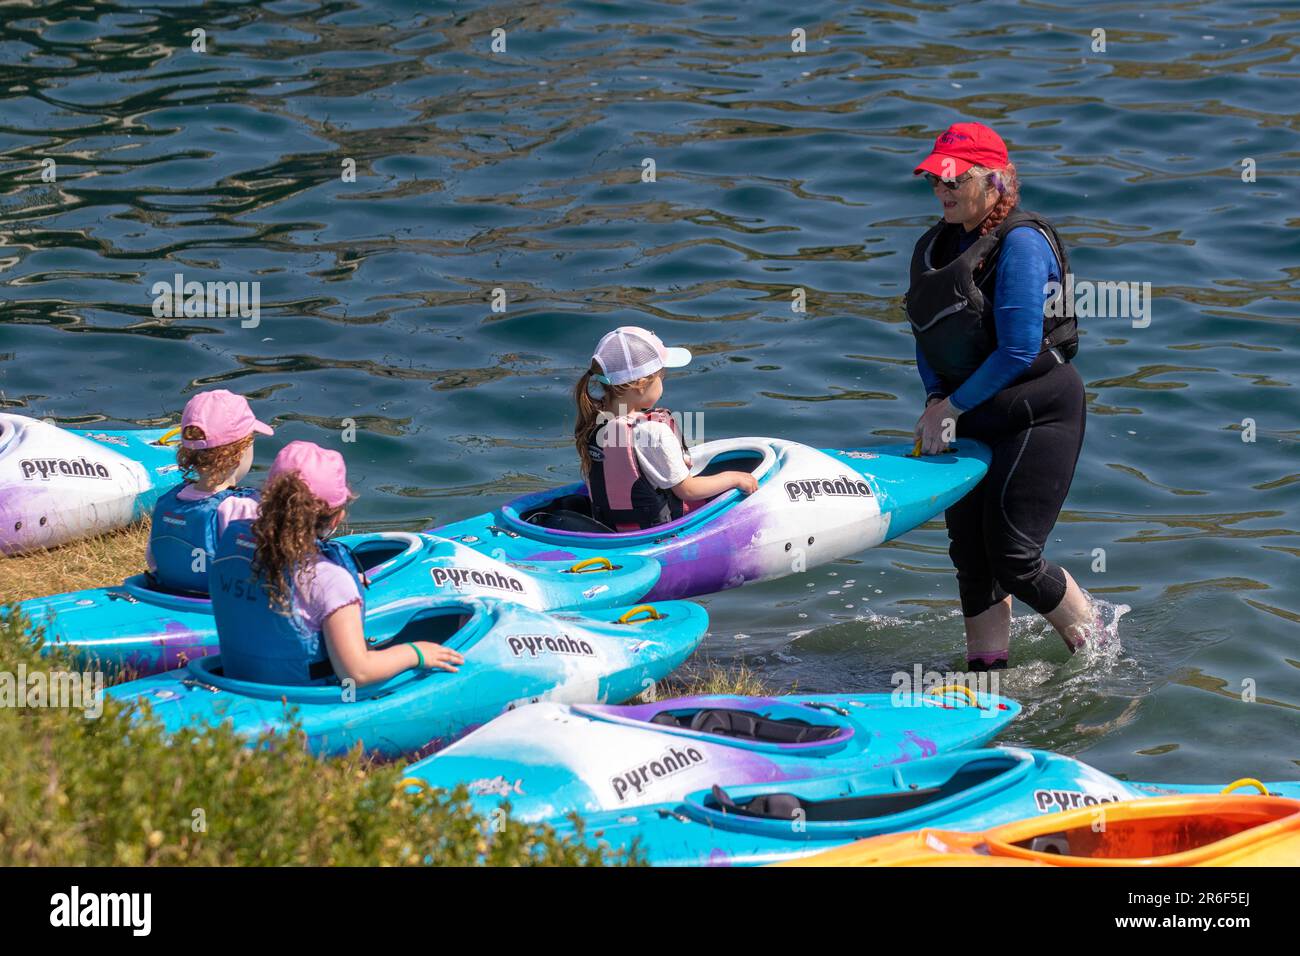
x: 435, y: 655
x: 938, y: 418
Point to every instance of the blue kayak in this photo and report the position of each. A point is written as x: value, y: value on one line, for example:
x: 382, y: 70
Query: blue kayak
x: 138, y: 627
x: 811, y: 507
x: 61, y: 484
x: 513, y: 655
x: 771, y: 822
x: 551, y: 759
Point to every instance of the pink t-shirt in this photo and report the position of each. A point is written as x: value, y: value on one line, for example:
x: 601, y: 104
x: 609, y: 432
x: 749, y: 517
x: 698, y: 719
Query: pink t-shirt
x: 331, y: 588
x: 234, y: 508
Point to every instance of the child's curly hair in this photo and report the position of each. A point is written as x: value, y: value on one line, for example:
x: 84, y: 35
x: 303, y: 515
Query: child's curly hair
x: 209, y: 462
x: 290, y: 521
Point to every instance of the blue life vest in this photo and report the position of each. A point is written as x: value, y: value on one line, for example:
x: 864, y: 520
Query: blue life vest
x: 258, y: 643
x: 180, y: 528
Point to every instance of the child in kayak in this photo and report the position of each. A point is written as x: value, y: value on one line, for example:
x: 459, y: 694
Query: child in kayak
x: 215, y: 454
x: 635, y: 465
x: 287, y: 601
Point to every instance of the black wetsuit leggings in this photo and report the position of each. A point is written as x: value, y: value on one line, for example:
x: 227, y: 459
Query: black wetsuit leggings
x: 997, y: 532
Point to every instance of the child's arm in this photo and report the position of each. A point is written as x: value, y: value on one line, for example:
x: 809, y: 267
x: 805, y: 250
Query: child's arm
x: 346, y: 641
x: 708, y: 486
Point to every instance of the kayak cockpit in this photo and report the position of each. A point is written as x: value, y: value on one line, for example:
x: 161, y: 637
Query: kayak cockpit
x: 377, y: 556
x: 865, y: 806
x: 747, y: 725
x: 454, y: 625
x: 380, y: 555
x: 898, y: 798
x: 1143, y: 836
x: 750, y: 724
x: 564, y: 514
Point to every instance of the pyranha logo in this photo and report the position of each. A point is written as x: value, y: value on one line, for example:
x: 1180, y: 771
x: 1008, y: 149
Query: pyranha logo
x: 459, y: 577
x: 843, y: 487
x: 1047, y: 800
x: 535, y: 645
x: 671, y: 761
x: 46, y: 468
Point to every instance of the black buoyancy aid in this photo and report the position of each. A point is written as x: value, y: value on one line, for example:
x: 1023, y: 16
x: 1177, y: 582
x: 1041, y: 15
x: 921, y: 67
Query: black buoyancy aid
x: 950, y: 299
x: 621, y: 497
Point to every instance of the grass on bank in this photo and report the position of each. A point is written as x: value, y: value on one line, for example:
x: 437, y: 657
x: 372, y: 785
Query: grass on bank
x: 113, y: 791
x: 97, y: 562
x: 700, y: 677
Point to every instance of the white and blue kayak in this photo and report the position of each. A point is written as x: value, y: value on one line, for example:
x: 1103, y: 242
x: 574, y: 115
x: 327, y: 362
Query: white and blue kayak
x: 513, y: 656
x: 812, y: 506
x: 549, y: 760
x: 61, y: 484
x: 772, y: 822
x: 145, y: 630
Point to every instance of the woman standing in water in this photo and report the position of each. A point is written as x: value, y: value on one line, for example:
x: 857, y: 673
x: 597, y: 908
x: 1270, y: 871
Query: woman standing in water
x: 995, y: 359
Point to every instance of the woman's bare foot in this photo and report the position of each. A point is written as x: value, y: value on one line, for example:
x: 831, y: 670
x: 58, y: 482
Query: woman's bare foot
x: 1074, y: 618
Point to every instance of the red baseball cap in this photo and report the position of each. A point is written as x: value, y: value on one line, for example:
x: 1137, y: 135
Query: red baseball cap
x: 961, y: 146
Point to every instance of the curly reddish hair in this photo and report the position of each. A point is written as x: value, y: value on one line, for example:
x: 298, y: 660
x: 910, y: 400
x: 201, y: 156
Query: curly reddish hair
x: 208, y: 463
x: 289, y: 522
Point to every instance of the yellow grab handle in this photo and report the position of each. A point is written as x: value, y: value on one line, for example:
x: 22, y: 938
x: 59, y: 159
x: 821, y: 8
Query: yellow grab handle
x: 592, y: 564
x: 960, y: 688
x: 169, y: 434
x: 1246, y: 782
x: 650, y: 608
x: 916, y: 450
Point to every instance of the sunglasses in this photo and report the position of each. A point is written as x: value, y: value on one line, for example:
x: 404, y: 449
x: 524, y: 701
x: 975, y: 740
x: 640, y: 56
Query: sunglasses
x: 957, y: 183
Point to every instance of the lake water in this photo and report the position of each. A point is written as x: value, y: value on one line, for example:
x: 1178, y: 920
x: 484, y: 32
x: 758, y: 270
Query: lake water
x: 521, y: 170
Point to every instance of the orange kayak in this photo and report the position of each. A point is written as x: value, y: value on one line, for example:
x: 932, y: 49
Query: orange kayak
x: 1190, y: 830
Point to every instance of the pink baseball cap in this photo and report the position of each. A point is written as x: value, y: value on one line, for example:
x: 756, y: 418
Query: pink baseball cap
x: 223, y: 416
x: 630, y: 352
x: 321, y: 470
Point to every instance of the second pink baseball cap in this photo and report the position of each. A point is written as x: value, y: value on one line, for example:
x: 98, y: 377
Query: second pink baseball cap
x: 321, y: 470
x: 223, y: 416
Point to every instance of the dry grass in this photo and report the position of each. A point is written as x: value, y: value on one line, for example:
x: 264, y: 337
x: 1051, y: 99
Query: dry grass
x: 698, y: 677
x: 91, y: 563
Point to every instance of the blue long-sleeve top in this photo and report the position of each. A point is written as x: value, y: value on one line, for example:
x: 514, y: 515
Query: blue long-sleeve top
x: 1026, y: 264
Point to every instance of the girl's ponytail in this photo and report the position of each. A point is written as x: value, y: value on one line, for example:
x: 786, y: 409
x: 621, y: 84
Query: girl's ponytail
x: 588, y: 415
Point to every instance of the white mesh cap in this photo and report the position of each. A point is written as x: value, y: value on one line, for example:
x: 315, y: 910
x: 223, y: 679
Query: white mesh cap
x: 629, y: 353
